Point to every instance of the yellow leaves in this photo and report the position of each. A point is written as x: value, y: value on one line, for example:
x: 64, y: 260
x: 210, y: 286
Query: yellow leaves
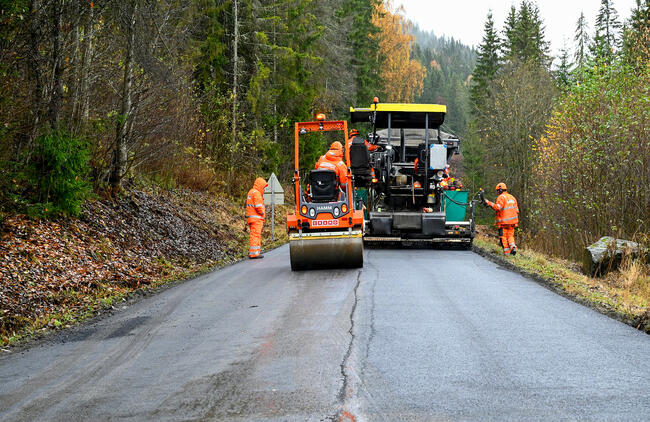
x: 403, y: 77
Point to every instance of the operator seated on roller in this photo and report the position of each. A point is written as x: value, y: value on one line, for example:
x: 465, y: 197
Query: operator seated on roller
x: 507, y: 217
x: 333, y: 160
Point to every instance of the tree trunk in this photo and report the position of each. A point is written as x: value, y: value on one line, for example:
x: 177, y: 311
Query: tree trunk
x: 36, y: 76
x: 56, y: 101
x: 76, y: 59
x: 234, y: 92
x: 89, y: 33
x: 120, y: 152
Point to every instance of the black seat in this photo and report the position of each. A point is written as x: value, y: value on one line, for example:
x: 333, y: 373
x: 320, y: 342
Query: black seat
x: 360, y: 162
x: 359, y: 156
x: 323, y: 185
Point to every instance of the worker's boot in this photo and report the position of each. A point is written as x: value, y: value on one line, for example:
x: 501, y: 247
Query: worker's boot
x: 514, y: 251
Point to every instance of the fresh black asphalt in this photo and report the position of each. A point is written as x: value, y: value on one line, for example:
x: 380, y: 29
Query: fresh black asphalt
x: 417, y: 334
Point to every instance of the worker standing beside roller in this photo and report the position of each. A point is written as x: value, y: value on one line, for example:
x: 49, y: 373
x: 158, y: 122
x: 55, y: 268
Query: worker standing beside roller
x: 506, y: 219
x: 333, y: 160
x: 255, y: 213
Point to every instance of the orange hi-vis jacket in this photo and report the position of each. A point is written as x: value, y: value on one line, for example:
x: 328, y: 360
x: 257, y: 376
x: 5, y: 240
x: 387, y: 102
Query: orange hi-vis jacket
x: 333, y: 160
x: 255, y: 201
x: 507, y: 210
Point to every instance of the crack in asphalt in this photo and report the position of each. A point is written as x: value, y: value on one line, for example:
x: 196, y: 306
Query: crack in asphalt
x: 353, y: 336
x: 342, y: 396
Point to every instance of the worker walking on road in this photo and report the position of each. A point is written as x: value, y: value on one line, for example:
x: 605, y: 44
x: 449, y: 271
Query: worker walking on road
x: 255, y: 213
x: 333, y: 160
x: 506, y: 219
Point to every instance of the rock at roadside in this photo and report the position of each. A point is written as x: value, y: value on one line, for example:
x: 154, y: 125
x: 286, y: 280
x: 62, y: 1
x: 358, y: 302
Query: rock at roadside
x: 606, y: 255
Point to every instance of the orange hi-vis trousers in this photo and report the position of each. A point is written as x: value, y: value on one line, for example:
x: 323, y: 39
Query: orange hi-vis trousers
x: 255, y: 226
x: 507, y: 235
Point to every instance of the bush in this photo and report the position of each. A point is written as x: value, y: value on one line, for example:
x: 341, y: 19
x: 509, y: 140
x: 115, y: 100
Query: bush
x: 56, y: 175
x: 593, y: 172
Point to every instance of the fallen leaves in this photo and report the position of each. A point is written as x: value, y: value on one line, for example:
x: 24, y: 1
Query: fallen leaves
x: 52, y: 267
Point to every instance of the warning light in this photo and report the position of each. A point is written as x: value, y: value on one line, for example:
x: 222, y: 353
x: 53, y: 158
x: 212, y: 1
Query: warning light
x: 374, y: 180
x: 304, y: 209
x: 344, y: 208
x: 320, y: 117
x: 375, y: 100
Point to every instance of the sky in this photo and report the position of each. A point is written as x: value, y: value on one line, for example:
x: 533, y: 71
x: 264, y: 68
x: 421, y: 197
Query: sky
x: 464, y: 19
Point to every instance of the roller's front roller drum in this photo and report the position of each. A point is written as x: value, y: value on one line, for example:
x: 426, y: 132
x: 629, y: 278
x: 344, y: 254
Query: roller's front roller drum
x: 311, y: 252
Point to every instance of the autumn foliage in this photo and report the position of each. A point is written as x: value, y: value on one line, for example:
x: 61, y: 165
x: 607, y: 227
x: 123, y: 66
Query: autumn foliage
x: 402, y: 76
x: 593, y: 168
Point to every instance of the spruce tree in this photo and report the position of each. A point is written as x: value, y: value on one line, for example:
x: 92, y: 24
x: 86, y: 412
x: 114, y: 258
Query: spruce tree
x: 636, y: 38
x: 563, y: 72
x: 524, y: 35
x: 365, y: 48
x: 608, y: 26
x: 508, y: 46
x: 487, y: 63
x: 581, y: 39
x: 540, y: 48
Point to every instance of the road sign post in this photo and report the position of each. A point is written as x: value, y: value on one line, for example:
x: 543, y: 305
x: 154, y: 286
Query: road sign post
x: 273, y: 194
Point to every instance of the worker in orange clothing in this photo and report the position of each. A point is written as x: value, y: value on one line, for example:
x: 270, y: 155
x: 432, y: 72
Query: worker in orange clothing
x: 255, y: 213
x: 355, y: 133
x: 507, y: 217
x: 333, y: 160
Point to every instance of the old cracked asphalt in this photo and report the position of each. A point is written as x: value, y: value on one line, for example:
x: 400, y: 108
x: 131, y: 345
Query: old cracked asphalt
x: 435, y: 335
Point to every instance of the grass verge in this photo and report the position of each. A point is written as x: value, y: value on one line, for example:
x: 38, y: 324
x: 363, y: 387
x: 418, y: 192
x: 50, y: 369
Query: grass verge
x: 609, y: 296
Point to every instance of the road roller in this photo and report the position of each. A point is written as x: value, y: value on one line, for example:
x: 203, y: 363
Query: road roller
x: 325, y: 230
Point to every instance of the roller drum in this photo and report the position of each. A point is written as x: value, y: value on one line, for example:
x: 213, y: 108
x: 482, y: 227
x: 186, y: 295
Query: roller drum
x: 308, y: 253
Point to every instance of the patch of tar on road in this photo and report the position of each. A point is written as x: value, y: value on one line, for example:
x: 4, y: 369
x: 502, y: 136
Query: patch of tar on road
x: 128, y: 326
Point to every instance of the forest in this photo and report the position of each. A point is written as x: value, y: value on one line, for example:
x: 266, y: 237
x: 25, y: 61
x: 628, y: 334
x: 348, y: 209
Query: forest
x: 202, y: 94
x: 570, y: 140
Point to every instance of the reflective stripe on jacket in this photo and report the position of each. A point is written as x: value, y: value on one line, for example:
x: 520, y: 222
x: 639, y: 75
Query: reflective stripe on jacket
x: 507, y: 210
x: 255, y: 201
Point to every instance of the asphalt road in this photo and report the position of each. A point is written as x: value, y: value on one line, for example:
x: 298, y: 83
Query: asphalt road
x: 435, y: 335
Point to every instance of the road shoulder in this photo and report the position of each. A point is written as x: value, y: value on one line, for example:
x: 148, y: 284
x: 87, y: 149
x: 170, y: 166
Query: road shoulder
x: 559, y: 277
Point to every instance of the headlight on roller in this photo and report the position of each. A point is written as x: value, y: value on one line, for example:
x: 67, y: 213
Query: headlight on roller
x: 336, y: 211
x: 312, y: 213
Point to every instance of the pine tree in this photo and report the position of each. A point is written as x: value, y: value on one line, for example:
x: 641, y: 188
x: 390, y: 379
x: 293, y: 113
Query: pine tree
x: 365, y: 48
x: 608, y: 26
x: 487, y: 63
x: 524, y: 35
x: 510, y: 36
x: 563, y: 73
x: 540, y: 47
x: 636, y: 40
x: 582, y: 40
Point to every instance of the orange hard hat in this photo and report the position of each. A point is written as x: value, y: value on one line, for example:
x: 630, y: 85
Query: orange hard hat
x: 353, y: 132
x: 501, y: 186
x: 337, y: 146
